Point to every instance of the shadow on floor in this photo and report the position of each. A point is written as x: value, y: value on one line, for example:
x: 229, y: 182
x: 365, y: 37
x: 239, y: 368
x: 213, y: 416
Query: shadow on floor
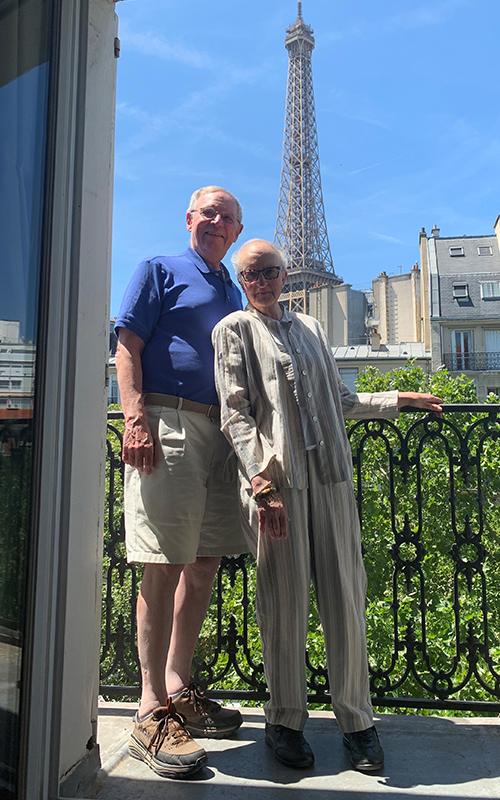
x: 425, y: 757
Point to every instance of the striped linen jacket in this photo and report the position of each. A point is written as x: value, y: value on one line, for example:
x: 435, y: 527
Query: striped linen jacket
x: 259, y: 402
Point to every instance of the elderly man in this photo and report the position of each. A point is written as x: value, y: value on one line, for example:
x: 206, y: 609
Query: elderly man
x: 181, y: 514
x: 282, y: 407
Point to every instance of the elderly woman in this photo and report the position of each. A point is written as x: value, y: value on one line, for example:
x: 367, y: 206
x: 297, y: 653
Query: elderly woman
x: 282, y: 408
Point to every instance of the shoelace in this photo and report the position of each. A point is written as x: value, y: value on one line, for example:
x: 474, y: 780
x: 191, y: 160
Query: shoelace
x: 201, y: 703
x: 366, y: 737
x: 169, y: 723
x: 291, y: 735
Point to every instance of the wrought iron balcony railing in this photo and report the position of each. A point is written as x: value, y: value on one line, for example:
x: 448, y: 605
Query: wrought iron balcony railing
x: 428, y: 495
x: 471, y: 362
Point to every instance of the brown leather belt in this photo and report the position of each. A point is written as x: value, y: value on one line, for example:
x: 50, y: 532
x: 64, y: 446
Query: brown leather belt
x: 211, y: 411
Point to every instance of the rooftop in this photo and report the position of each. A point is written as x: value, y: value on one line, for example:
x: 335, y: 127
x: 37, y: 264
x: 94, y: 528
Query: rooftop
x: 402, y: 351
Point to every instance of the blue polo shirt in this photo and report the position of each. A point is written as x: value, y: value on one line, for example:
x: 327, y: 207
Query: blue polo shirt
x: 172, y: 303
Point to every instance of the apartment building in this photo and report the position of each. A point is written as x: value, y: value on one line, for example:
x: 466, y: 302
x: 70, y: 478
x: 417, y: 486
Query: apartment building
x: 461, y: 302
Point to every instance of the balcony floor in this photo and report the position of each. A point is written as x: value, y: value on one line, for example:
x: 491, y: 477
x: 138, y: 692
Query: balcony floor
x: 425, y: 757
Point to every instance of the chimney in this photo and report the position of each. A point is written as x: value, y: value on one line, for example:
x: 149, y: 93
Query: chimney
x: 375, y: 340
x: 423, y: 235
x: 496, y: 228
x: 435, y: 232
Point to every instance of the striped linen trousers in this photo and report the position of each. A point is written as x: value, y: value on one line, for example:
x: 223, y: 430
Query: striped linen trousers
x: 324, y: 545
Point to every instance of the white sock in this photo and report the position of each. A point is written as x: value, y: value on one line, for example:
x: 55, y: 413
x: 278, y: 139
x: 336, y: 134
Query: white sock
x: 177, y: 694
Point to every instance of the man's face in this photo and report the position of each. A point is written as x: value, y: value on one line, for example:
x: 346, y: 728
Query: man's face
x: 213, y: 226
x: 262, y: 293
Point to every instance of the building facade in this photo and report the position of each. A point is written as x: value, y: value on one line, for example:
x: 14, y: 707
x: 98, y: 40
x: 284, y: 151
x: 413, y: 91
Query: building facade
x: 397, y: 307
x: 461, y: 276
x: 341, y: 311
x: 354, y: 359
x: 17, y: 367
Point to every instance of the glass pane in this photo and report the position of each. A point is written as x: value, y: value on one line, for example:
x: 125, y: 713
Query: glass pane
x: 24, y: 72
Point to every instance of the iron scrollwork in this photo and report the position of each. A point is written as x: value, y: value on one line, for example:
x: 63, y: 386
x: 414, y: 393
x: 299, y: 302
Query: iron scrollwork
x: 428, y: 496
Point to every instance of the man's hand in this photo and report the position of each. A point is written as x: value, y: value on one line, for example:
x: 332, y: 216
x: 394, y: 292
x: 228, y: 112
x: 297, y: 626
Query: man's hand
x: 138, y: 446
x: 428, y: 402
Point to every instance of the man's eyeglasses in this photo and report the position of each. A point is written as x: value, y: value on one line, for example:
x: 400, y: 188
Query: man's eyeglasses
x: 269, y: 273
x: 211, y: 213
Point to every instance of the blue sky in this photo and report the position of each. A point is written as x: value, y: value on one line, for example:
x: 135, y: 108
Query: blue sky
x: 407, y: 108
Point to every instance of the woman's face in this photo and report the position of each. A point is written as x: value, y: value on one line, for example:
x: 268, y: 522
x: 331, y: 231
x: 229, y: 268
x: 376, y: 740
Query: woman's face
x: 262, y: 292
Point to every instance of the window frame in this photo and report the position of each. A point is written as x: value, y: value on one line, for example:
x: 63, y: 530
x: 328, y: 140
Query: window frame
x: 457, y: 286
x: 482, y: 284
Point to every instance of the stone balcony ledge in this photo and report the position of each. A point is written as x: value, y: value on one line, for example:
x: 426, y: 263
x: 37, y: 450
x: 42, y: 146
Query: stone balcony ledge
x: 426, y: 756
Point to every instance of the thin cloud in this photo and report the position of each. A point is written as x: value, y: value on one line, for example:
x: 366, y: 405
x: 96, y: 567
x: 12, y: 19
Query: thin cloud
x: 361, y: 118
x: 151, y: 44
x: 373, y: 166
x: 420, y: 17
x: 152, y: 127
x: 385, y: 238
x: 425, y: 15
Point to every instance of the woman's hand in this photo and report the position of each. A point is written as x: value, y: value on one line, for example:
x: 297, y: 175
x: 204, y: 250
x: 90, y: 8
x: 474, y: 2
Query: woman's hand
x: 428, y: 402
x: 273, y: 519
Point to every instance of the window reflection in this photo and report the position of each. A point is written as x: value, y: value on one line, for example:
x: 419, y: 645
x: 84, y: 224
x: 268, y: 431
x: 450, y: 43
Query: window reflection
x: 24, y: 74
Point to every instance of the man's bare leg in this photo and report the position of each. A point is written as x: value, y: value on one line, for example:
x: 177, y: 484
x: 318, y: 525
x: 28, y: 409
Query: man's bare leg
x: 192, y: 598
x: 155, y: 609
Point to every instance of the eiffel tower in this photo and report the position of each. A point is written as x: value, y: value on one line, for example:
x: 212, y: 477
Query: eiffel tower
x: 301, y: 224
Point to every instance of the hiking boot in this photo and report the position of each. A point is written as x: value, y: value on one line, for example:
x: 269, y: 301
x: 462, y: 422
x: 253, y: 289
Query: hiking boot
x: 205, y: 718
x: 162, y: 742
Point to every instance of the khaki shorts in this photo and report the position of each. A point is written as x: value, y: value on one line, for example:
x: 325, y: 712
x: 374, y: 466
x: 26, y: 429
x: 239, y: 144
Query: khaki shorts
x: 184, y: 509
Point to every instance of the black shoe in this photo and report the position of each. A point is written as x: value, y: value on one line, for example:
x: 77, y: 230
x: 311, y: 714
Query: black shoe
x: 365, y: 750
x: 290, y: 747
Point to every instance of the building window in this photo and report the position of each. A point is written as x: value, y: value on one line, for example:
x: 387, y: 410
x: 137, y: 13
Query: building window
x: 485, y: 250
x: 490, y: 290
x: 4, y: 384
x: 16, y: 384
x: 456, y: 251
x: 461, y: 291
x: 462, y: 350
x: 114, y: 394
x: 349, y: 376
x: 492, y: 348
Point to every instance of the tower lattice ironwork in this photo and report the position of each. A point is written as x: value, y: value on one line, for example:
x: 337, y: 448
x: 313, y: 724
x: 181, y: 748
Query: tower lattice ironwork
x: 301, y: 224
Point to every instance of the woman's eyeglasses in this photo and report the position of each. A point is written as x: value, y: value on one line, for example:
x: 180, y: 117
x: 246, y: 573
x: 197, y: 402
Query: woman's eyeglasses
x: 251, y: 275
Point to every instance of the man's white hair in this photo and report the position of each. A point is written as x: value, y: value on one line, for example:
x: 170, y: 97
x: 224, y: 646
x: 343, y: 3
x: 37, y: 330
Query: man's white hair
x: 236, y: 259
x: 208, y: 190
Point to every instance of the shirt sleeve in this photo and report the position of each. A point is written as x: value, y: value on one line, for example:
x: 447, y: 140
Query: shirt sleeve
x: 237, y: 423
x: 143, y: 300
